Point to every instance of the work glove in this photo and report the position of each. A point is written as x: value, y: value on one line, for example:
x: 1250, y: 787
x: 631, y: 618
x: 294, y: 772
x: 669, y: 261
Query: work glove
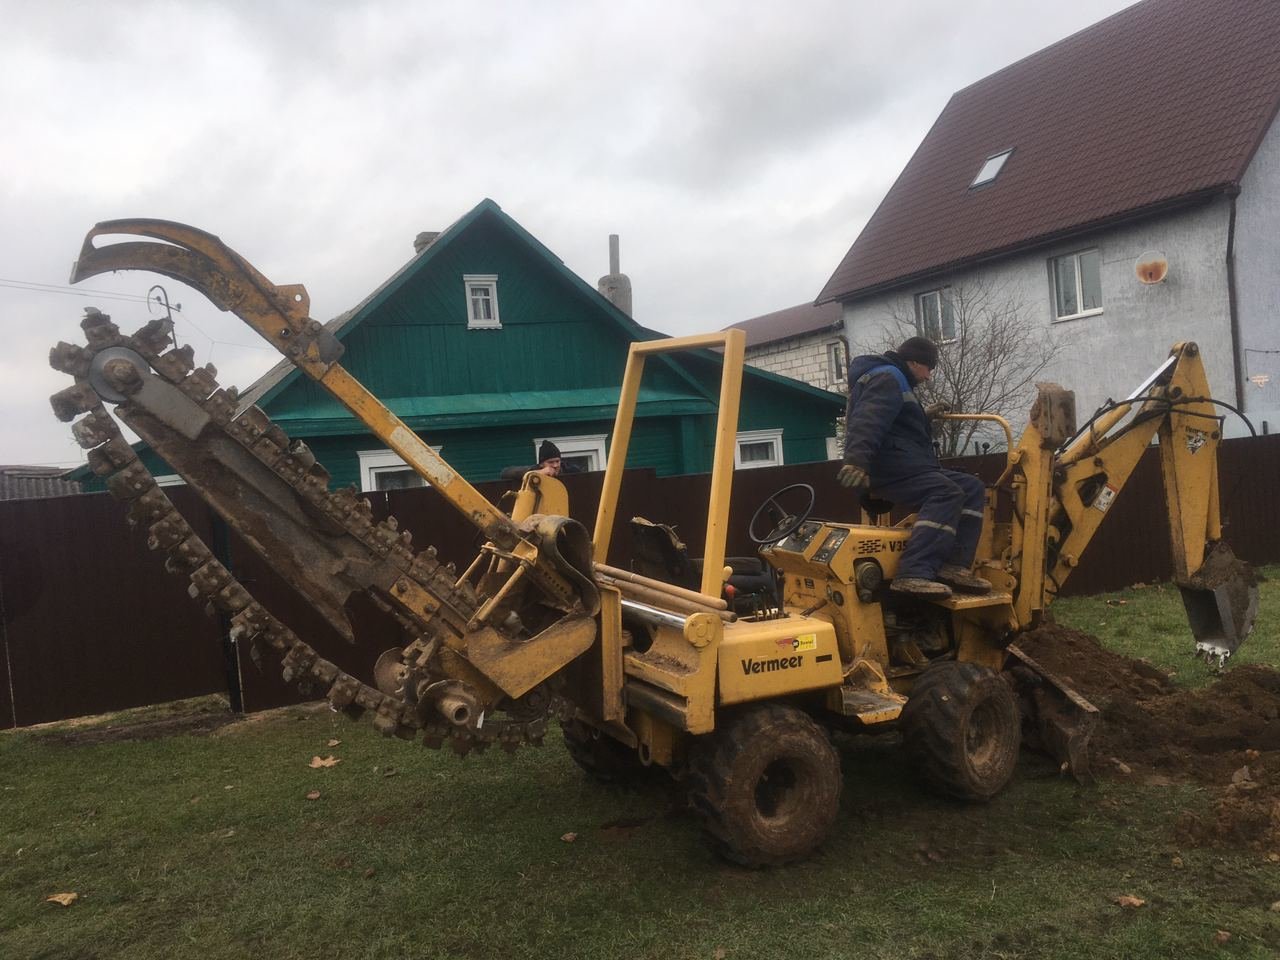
x: 853, y: 476
x: 937, y: 409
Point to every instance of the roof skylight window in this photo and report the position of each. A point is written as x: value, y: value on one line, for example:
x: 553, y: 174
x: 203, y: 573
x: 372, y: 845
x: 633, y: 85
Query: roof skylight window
x: 991, y: 168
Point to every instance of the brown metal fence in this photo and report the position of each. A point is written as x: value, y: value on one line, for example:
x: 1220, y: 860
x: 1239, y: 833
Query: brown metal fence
x: 92, y: 622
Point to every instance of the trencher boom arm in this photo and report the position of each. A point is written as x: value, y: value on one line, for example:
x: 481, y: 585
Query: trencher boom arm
x: 467, y: 646
x: 1065, y: 485
x: 281, y: 315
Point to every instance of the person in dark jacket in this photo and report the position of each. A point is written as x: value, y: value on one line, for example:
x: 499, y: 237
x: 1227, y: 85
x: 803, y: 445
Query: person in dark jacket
x: 888, y: 449
x: 549, y: 462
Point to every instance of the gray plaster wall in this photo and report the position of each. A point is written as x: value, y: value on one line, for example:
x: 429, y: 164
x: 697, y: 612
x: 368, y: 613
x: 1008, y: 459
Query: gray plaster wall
x: 1257, y: 258
x: 1108, y: 354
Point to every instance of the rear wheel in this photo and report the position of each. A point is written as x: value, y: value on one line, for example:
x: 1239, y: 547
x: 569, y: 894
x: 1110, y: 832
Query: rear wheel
x: 961, y: 729
x: 767, y: 785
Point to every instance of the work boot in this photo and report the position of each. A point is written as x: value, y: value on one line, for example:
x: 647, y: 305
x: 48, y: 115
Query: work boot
x: 918, y: 587
x: 954, y: 575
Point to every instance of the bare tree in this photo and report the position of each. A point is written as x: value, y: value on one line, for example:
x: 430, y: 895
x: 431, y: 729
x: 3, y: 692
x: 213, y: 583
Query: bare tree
x: 990, y: 356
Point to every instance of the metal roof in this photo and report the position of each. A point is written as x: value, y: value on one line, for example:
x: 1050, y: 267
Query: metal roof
x: 1162, y: 103
x: 22, y: 482
x: 791, y: 322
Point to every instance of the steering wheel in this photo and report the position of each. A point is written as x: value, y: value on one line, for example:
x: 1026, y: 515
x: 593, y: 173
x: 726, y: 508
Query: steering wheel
x: 784, y: 523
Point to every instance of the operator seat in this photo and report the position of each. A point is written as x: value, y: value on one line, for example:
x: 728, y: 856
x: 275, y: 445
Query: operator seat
x: 658, y: 552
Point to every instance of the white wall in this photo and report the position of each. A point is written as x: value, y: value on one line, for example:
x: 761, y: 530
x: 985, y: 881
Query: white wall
x: 1111, y: 353
x: 1258, y: 280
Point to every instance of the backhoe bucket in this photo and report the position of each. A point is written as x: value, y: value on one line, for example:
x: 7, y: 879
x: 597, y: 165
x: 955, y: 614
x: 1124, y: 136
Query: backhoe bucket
x: 1221, y: 600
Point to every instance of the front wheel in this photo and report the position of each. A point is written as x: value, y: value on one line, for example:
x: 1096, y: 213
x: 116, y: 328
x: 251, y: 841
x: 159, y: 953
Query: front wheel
x: 961, y: 729
x: 767, y: 785
x: 603, y: 758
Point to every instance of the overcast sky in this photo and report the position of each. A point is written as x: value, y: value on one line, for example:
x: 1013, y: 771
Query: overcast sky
x: 737, y: 148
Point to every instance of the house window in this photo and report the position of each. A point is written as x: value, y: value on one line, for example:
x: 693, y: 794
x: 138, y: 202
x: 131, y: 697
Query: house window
x: 935, y: 318
x: 990, y: 168
x: 837, y: 362
x: 482, y: 302
x: 1077, y: 285
x: 386, y: 470
x: 758, y: 448
x: 577, y: 454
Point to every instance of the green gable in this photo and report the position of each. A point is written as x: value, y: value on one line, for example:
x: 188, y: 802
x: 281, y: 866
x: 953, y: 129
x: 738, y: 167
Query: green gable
x: 551, y: 369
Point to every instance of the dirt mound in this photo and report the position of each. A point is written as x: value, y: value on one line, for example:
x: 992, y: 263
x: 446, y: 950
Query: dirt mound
x: 1225, y: 736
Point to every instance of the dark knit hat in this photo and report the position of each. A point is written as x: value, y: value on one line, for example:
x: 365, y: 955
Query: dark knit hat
x: 548, y: 451
x: 920, y: 350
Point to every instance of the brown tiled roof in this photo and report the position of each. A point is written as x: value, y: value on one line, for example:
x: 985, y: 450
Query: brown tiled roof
x: 1164, y: 102
x: 20, y: 482
x: 791, y: 322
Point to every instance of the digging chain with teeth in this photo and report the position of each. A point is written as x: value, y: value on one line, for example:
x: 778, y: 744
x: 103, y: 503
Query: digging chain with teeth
x: 111, y: 457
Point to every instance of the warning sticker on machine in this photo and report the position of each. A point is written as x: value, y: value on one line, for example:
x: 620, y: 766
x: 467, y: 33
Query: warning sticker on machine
x: 807, y: 641
x: 1103, y: 500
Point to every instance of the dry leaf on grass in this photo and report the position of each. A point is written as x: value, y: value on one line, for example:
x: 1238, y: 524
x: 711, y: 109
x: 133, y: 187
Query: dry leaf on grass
x: 334, y: 742
x: 569, y: 837
x: 313, y: 795
x: 1222, y: 936
x: 1275, y: 907
x: 719, y: 954
x: 62, y: 899
x: 318, y: 762
x: 1128, y: 902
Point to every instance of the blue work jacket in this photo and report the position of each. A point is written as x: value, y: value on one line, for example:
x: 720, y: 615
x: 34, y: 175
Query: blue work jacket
x: 886, y: 431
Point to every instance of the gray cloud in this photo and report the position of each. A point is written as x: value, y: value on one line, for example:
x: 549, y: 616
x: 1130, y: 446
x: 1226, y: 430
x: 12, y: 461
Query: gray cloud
x: 737, y: 148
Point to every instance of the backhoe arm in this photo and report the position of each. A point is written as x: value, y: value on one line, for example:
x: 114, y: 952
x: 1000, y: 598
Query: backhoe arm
x: 1066, y: 493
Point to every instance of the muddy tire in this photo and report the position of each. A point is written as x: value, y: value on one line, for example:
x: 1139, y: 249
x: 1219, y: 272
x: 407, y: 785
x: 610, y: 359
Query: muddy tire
x: 767, y: 785
x: 962, y: 731
x: 602, y: 757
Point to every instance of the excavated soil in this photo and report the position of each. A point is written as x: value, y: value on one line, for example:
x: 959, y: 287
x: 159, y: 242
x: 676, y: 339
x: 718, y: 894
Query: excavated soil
x: 1225, y: 737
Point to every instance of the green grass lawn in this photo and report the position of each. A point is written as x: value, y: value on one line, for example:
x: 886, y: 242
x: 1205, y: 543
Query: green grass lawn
x: 206, y: 846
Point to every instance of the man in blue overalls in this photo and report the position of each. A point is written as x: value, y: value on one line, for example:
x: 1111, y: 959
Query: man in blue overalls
x: 888, y: 448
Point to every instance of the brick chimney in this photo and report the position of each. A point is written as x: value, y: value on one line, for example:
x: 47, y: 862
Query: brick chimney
x: 616, y: 286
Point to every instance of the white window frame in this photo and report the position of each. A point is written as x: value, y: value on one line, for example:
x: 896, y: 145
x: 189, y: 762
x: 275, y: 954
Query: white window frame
x: 592, y: 446
x: 991, y: 168
x: 757, y: 436
x: 373, y: 462
x: 1074, y: 256
x: 489, y: 282
x: 837, y: 361
x: 943, y: 295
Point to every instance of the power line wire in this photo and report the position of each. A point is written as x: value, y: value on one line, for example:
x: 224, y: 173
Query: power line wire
x: 70, y: 291
x: 35, y: 287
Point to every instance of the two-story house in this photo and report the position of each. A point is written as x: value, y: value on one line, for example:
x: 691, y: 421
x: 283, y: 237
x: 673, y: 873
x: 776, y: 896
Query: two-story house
x: 1118, y: 190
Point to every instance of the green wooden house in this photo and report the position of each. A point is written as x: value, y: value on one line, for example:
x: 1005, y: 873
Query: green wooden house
x: 485, y: 344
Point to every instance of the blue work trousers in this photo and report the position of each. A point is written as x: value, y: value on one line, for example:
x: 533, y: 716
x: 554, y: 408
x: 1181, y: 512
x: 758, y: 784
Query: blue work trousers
x: 948, y: 523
